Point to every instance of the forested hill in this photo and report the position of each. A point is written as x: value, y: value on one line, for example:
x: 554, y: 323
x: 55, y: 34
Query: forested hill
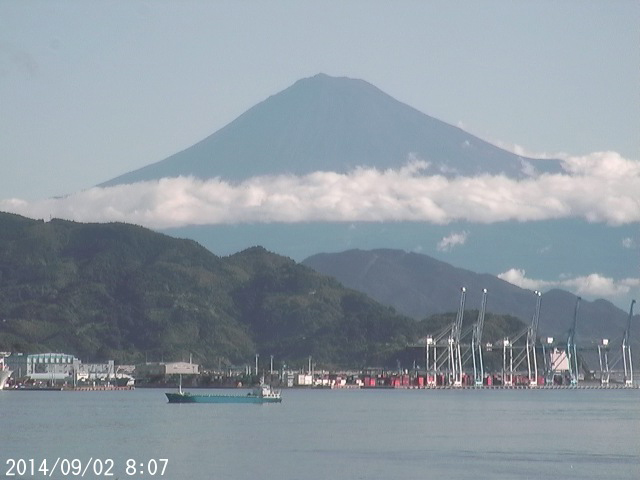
x: 117, y: 291
x: 124, y: 292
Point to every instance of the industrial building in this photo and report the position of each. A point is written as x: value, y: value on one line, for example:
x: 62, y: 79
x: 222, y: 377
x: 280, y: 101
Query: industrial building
x: 57, y: 367
x: 154, y: 369
x: 95, y: 371
x: 43, y: 366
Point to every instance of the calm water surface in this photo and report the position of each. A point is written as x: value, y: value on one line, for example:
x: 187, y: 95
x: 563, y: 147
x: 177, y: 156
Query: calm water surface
x: 335, y: 434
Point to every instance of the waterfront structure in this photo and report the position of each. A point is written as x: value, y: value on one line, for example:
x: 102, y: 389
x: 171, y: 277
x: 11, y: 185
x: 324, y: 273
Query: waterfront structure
x: 561, y: 364
x: 532, y: 338
x: 5, y: 372
x: 95, y: 371
x: 572, y: 354
x: 606, y: 368
x: 155, y: 369
x: 453, y: 361
x: 626, y: 351
x: 510, y: 363
x: 476, y: 343
x: 43, y: 366
x: 57, y: 367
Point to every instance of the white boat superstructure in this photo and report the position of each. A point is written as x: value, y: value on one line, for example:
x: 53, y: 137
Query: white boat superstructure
x: 5, y: 373
x: 265, y: 391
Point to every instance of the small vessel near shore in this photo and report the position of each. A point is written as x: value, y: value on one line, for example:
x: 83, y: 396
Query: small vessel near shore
x: 261, y: 394
x: 5, y: 373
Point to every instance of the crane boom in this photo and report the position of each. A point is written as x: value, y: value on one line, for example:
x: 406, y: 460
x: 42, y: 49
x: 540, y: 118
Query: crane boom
x: 476, y: 343
x: 625, y: 338
x: 572, y: 355
x: 455, y: 354
x: 457, y: 326
x: 626, y: 350
x: 532, y: 335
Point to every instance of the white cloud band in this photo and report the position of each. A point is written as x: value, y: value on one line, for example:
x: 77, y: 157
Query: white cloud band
x: 593, y: 285
x: 601, y: 187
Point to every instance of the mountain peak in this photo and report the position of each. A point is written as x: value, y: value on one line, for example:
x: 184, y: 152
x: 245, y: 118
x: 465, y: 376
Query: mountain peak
x: 318, y: 77
x: 332, y: 124
x: 325, y: 79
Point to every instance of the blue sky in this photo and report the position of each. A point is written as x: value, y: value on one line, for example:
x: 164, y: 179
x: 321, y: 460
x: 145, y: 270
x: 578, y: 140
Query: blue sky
x: 90, y: 90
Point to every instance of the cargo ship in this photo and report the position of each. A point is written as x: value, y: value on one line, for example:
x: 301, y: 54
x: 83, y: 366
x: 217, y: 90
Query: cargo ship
x: 261, y: 394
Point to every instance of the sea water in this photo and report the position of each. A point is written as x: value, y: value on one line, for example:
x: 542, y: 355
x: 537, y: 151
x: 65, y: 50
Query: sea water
x: 325, y: 434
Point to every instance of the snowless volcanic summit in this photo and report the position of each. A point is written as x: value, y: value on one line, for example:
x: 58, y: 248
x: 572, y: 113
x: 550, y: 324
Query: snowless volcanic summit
x: 332, y: 124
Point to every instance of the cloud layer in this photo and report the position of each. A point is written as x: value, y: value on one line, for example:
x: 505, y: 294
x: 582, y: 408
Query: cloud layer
x: 451, y: 241
x: 600, y: 187
x: 593, y: 285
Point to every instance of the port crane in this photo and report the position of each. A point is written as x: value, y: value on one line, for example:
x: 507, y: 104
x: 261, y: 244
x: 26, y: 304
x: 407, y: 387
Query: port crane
x: 434, y: 360
x: 446, y: 353
x: 532, y: 336
x: 625, y: 356
x: 626, y: 351
x: 563, y: 360
x: 603, y: 357
x: 572, y: 355
x: 455, y: 355
x: 446, y: 341
x: 447, y: 356
x: 510, y: 363
x: 437, y: 358
x: 476, y: 343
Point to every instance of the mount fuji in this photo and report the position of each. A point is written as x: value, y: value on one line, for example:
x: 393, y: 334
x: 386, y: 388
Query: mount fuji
x: 333, y: 163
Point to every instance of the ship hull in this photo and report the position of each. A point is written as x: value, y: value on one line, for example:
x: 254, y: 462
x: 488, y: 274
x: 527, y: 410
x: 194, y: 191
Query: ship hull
x: 4, y: 376
x: 203, y: 398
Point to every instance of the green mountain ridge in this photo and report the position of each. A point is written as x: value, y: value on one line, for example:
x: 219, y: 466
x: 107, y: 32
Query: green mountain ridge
x: 417, y: 285
x: 122, y: 292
